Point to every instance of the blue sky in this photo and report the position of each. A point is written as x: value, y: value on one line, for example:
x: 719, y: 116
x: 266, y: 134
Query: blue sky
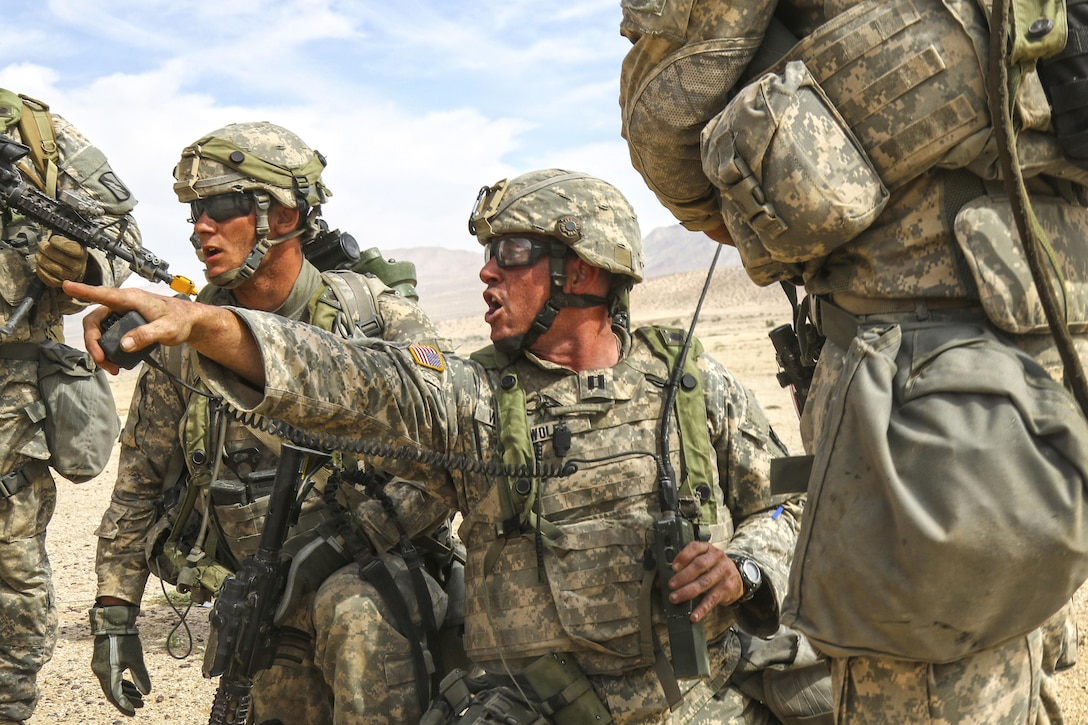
x: 416, y: 103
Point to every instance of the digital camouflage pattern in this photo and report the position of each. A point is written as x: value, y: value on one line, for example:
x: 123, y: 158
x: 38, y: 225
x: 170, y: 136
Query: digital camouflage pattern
x: 604, y: 510
x: 158, y: 425
x: 667, y: 95
x: 998, y: 685
x: 359, y: 669
x: 248, y: 157
x: 797, y: 185
x: 28, y: 620
x: 590, y: 216
x: 911, y: 252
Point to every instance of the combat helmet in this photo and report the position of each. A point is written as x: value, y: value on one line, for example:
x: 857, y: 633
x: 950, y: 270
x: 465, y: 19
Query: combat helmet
x: 580, y: 212
x: 261, y: 159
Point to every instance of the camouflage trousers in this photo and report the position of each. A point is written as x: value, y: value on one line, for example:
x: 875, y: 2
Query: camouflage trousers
x: 28, y: 618
x: 359, y: 668
x: 997, y: 686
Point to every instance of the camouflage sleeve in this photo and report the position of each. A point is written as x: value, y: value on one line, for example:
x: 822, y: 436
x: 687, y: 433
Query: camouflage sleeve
x: 419, y: 513
x: 85, y: 171
x: 148, y: 442
x: 369, y: 390
x: 680, y: 72
x: 405, y: 321
x: 765, y: 526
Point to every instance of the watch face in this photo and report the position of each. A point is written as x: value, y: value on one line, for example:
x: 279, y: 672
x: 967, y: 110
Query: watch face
x: 751, y: 572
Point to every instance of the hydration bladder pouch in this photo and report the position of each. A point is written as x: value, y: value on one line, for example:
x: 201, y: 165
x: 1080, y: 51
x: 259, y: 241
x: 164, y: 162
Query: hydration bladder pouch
x: 795, y: 183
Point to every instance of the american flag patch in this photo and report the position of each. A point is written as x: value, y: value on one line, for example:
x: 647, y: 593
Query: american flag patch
x: 428, y: 357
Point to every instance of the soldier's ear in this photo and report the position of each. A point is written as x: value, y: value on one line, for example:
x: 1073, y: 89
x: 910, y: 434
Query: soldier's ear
x: 583, y: 278
x: 282, y: 220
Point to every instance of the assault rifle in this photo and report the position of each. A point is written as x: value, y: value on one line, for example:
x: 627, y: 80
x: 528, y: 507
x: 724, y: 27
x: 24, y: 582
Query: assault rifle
x: 242, y: 616
x: 65, y: 217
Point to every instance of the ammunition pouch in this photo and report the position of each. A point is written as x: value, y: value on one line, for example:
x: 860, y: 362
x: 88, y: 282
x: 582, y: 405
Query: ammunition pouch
x: 804, y: 157
x: 909, y: 77
x: 199, y: 574
x: 795, y: 183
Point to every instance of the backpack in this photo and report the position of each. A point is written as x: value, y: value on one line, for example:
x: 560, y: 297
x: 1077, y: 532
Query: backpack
x: 36, y: 128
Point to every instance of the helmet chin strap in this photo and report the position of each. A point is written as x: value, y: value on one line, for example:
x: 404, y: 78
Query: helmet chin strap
x: 235, y: 277
x: 544, y: 319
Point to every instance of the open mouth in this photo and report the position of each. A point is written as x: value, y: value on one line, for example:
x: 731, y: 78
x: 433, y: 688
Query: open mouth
x: 209, y: 252
x: 493, y: 306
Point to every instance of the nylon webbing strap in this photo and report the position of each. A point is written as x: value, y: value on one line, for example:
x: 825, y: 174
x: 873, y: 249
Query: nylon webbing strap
x: 373, y: 570
x: 1007, y: 17
x: 692, y: 421
x: 26, y: 351
x: 39, y: 134
x: 15, y: 481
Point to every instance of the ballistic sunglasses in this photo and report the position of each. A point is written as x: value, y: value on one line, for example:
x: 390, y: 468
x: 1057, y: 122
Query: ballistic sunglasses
x: 521, y: 251
x: 221, y: 207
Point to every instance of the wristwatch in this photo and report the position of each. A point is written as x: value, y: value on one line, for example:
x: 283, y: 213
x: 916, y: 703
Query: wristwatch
x: 750, y: 576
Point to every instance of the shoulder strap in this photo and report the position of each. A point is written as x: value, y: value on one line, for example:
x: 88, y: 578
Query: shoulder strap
x: 39, y: 134
x: 354, y: 299
x: 517, y: 495
x: 666, y: 343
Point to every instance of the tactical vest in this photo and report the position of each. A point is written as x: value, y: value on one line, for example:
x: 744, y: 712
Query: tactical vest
x: 342, y: 304
x: 801, y: 162
x: 594, y: 596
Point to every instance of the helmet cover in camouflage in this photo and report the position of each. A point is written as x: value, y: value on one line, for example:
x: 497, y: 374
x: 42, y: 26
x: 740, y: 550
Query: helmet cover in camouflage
x: 251, y: 156
x: 587, y: 214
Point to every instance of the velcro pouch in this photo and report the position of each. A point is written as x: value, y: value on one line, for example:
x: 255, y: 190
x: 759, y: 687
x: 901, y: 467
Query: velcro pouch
x: 82, y: 423
x: 792, y: 177
x: 986, y: 232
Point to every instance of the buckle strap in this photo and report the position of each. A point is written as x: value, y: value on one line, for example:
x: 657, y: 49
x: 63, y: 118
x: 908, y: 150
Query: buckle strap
x: 15, y: 481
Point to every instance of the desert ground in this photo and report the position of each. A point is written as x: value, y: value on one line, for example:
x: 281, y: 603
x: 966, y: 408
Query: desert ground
x: 733, y: 326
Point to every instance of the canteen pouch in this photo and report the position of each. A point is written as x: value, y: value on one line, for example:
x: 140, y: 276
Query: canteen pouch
x: 565, y: 692
x: 943, y: 455
x: 794, y: 182
x: 81, y: 424
x: 986, y: 233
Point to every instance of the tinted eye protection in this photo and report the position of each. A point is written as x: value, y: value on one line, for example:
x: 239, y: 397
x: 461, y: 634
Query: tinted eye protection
x: 221, y: 207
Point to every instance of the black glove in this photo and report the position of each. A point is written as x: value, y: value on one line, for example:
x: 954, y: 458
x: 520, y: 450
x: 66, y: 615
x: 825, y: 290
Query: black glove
x: 60, y: 259
x: 117, y: 648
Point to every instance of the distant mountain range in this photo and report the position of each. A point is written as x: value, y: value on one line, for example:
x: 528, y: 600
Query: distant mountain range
x: 449, y: 284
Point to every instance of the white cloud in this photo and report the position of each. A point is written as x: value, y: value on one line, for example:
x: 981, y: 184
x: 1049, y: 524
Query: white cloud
x: 415, y: 104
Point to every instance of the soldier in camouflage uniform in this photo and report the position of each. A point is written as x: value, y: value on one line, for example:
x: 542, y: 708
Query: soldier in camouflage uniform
x: 846, y: 146
x: 563, y: 612
x: 68, y: 163
x: 255, y: 193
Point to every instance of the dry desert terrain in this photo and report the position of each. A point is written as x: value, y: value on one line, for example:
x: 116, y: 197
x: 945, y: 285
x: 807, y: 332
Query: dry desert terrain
x: 734, y: 323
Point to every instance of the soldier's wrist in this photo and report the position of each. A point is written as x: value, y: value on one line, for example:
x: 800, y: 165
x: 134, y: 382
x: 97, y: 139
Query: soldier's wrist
x: 114, y: 619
